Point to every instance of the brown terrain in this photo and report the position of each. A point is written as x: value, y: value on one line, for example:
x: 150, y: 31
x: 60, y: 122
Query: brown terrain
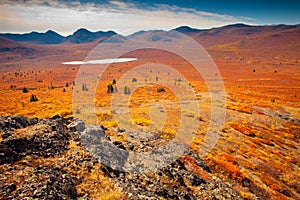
x: 257, y: 154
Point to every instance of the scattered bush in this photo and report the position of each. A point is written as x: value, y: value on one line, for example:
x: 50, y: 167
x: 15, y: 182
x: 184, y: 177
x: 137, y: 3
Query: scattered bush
x: 84, y: 87
x: 24, y: 90
x: 230, y: 167
x: 141, y: 121
x: 51, y: 86
x: 110, y: 88
x: 160, y: 89
x: 115, y: 88
x: 33, y: 98
x: 126, y: 90
x: 104, y: 116
x: 109, y: 124
x: 134, y: 80
x: 170, y: 131
x: 64, y: 113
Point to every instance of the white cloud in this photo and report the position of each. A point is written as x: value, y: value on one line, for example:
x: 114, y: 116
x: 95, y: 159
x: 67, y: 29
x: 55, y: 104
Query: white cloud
x: 119, y: 16
x: 120, y: 4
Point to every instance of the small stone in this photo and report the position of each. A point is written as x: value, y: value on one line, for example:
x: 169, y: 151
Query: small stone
x: 77, y: 125
x: 121, y: 130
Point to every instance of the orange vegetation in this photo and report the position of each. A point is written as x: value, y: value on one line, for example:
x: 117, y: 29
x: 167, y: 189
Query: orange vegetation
x: 258, y: 149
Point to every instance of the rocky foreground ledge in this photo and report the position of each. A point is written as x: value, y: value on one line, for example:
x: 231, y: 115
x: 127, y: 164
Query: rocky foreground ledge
x: 45, y: 159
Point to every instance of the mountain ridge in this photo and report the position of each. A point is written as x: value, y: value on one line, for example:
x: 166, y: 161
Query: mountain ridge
x: 81, y: 35
x: 239, y: 36
x: 49, y: 37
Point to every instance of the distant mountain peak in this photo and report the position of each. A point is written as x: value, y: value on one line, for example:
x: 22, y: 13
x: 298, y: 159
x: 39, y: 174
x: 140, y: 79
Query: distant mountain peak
x: 238, y: 25
x: 49, y: 37
x: 83, y: 35
x: 51, y: 32
x: 115, y: 39
x: 32, y: 32
x: 82, y: 30
x: 187, y: 30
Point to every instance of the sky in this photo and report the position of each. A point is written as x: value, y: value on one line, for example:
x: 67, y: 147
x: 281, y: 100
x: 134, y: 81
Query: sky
x: 128, y: 16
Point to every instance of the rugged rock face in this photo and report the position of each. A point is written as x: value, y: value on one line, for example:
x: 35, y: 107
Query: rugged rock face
x: 46, y: 159
x: 53, y: 183
x: 175, y: 181
x: 50, y: 138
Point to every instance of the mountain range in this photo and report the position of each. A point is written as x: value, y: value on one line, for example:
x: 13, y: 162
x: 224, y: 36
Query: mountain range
x: 84, y: 36
x: 50, y: 37
x: 231, y: 37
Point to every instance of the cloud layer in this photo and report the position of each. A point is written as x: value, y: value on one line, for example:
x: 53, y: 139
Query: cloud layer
x: 124, y: 18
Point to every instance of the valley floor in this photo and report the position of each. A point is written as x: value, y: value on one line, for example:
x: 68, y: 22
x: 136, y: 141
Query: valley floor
x: 256, y: 156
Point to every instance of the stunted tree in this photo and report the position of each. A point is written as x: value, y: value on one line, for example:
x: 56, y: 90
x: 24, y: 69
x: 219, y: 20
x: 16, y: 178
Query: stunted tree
x: 51, y: 86
x: 110, y: 88
x: 126, y: 90
x: 24, y: 90
x: 84, y: 87
x: 33, y: 98
x: 115, y: 88
x: 160, y: 89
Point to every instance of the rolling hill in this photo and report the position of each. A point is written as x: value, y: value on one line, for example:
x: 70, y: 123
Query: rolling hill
x: 241, y: 36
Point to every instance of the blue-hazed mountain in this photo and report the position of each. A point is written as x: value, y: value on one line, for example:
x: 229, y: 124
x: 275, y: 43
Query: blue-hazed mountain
x: 83, y: 35
x: 242, y: 36
x: 51, y: 37
x: 187, y: 29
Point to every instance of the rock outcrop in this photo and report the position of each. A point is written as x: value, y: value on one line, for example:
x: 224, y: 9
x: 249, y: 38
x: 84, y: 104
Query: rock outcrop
x: 41, y: 158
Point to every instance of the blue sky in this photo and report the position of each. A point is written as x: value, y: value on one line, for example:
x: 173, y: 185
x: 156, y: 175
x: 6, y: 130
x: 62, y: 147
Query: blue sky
x: 264, y: 12
x: 128, y: 16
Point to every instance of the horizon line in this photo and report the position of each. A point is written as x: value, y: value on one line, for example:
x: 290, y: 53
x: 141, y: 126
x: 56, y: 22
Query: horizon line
x: 92, y: 31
